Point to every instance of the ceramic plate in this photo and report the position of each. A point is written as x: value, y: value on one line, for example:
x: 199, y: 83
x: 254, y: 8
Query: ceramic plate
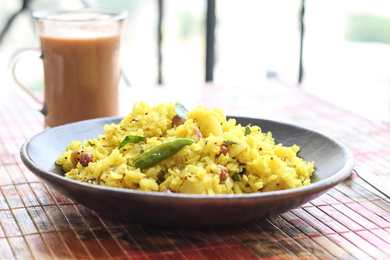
x: 333, y: 162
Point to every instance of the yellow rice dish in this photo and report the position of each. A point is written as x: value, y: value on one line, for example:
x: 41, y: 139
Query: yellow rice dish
x: 164, y: 148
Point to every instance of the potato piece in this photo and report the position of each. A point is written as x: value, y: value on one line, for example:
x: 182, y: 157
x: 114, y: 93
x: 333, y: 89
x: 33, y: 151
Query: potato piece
x: 194, y: 187
x: 207, y: 121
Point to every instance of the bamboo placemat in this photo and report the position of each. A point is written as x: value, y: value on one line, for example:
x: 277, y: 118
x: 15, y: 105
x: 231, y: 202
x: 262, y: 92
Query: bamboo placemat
x: 350, y: 221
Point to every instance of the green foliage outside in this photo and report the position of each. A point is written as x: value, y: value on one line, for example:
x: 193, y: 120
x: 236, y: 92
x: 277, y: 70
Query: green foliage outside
x: 368, y: 28
x: 190, y: 25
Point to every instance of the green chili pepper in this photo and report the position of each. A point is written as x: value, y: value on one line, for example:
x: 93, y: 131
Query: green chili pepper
x: 161, y: 152
x: 247, y: 130
x: 133, y: 139
x: 181, y: 111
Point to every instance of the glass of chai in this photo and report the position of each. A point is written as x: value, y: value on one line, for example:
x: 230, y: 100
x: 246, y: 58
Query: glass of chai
x: 80, y: 54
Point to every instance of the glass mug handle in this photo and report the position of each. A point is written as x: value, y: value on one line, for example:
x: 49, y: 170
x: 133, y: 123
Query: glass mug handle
x: 15, y: 59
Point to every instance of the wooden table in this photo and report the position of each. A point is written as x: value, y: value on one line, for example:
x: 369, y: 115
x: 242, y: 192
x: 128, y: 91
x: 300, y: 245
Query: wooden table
x: 350, y: 221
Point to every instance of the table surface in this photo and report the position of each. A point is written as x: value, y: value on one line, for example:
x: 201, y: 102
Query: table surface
x: 350, y: 221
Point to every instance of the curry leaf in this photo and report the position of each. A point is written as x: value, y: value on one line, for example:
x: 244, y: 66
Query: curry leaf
x: 247, y: 130
x: 236, y: 177
x: 181, y: 111
x: 229, y: 142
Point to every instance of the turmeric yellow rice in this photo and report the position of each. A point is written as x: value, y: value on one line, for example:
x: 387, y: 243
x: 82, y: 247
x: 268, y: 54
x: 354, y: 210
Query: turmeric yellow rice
x: 164, y: 148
